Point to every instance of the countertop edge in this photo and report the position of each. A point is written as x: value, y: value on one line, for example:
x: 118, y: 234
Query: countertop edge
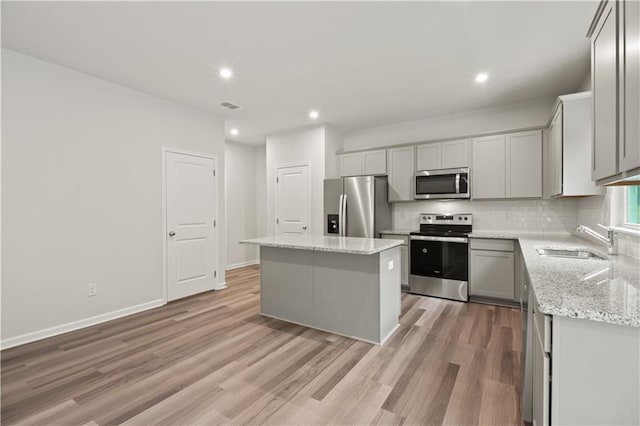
x: 391, y: 244
x: 404, y: 232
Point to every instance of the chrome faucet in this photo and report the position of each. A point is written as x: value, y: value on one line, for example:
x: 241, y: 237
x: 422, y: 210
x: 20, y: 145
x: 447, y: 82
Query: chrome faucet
x: 611, y: 240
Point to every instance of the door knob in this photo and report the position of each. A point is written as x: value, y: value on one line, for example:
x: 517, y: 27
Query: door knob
x: 172, y: 233
x: 304, y: 227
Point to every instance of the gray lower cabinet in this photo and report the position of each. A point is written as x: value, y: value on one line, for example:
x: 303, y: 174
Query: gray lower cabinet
x: 491, y: 269
x: 541, y: 368
x: 404, y: 255
x: 582, y: 372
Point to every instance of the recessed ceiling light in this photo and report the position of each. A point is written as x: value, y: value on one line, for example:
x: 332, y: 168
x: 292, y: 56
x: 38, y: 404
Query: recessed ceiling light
x: 234, y: 132
x: 226, y: 73
x: 482, y: 77
x: 314, y: 114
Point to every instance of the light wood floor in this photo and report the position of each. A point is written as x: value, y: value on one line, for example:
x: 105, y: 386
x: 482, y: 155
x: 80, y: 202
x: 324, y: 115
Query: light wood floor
x: 213, y: 359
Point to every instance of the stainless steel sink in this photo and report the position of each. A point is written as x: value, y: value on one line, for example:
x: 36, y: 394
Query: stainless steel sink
x: 570, y: 253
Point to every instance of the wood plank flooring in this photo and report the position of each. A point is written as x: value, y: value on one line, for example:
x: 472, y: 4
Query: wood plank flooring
x: 212, y: 359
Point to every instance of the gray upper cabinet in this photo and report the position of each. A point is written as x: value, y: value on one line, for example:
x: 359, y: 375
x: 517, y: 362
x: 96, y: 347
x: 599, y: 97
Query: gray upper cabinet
x: 374, y: 162
x: 554, y: 155
x: 629, y: 152
x: 455, y: 153
x: 604, y: 69
x: 363, y: 163
x: 615, y: 73
x: 568, y: 155
x: 488, y: 176
x: 507, y: 166
x: 400, y: 167
x: 351, y: 164
x: 524, y: 164
x: 443, y: 155
x: 429, y: 156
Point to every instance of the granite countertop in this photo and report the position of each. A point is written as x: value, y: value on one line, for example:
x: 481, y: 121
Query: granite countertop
x: 514, y: 235
x: 593, y: 289
x: 349, y: 245
x: 397, y: 231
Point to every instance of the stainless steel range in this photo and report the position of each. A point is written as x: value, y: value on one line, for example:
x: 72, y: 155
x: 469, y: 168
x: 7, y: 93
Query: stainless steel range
x: 440, y: 256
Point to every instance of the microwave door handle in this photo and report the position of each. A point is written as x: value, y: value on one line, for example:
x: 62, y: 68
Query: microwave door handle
x: 457, y: 183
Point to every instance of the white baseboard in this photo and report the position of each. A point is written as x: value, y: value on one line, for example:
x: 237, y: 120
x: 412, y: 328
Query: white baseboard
x: 76, y: 325
x: 243, y: 264
x: 222, y: 286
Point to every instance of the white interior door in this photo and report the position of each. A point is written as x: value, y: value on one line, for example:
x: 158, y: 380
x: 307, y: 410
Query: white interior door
x: 292, y: 200
x: 190, y: 224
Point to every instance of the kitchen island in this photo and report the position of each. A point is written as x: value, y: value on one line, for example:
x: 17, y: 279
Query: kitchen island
x: 344, y: 285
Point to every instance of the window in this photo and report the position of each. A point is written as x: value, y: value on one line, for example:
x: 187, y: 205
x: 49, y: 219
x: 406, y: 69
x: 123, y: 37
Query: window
x: 632, y: 206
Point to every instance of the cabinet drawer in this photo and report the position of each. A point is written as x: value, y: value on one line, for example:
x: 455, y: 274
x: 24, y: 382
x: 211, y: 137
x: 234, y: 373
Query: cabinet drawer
x: 404, y: 238
x: 490, y: 244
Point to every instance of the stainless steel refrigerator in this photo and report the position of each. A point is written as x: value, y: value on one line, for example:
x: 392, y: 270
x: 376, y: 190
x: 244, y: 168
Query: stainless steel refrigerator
x: 356, y: 206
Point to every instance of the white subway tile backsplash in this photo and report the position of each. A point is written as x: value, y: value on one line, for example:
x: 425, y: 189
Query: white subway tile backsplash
x: 503, y: 215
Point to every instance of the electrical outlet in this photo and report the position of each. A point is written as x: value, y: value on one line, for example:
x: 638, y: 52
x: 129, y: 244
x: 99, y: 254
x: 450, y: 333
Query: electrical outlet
x: 92, y: 289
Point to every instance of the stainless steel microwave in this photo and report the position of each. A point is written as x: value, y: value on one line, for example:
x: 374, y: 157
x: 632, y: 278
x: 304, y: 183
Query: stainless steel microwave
x: 443, y: 183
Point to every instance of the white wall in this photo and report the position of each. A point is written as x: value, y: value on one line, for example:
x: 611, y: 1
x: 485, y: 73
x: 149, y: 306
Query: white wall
x: 499, y: 118
x: 261, y: 191
x: 333, y: 139
x: 81, y: 194
x: 240, y: 191
x: 293, y: 147
x: 585, y: 86
x: 553, y: 216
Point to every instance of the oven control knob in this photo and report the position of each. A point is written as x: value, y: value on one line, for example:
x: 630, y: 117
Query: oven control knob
x: 460, y: 218
x: 424, y: 250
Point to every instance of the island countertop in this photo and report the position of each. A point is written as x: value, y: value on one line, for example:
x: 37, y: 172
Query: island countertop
x: 335, y: 244
x: 606, y: 290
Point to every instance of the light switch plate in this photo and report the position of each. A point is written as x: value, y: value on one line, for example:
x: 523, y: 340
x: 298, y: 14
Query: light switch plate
x: 391, y: 265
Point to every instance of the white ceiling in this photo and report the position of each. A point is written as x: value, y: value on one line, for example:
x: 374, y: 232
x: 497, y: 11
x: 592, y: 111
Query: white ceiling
x: 360, y: 64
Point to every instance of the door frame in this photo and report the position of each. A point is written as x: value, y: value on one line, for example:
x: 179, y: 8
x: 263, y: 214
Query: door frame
x: 216, y: 201
x: 275, y: 201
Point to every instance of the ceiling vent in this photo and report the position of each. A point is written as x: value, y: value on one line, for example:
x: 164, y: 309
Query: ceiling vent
x: 229, y: 105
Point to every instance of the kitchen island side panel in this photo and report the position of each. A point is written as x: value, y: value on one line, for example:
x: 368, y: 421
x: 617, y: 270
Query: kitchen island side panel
x: 390, y: 292
x: 345, y: 294
x: 286, y: 284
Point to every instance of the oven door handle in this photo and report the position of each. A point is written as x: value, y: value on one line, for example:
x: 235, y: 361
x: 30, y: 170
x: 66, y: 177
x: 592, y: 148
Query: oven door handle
x: 457, y: 183
x: 444, y: 239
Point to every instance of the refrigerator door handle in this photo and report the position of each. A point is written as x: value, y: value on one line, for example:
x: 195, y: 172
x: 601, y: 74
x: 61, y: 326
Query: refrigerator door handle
x: 344, y: 215
x: 340, y: 216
